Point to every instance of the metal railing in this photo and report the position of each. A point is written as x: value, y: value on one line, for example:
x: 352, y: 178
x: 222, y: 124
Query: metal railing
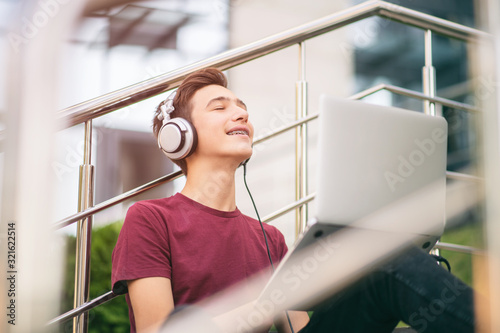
x: 127, y: 96
x: 87, y: 111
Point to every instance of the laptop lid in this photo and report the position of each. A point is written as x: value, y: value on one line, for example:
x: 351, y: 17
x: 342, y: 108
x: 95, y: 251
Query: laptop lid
x: 371, y: 156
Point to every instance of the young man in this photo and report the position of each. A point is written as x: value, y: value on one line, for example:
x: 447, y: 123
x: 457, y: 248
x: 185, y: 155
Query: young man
x: 181, y: 249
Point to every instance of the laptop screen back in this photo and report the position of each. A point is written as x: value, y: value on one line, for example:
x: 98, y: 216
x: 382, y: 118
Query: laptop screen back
x: 371, y: 156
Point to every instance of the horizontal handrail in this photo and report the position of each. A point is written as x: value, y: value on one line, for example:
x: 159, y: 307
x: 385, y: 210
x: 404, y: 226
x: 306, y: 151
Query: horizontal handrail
x: 429, y: 22
x: 140, y: 91
x: 415, y: 94
x: 285, y: 128
x: 289, y: 208
x: 463, y: 176
x: 116, y: 200
x: 458, y: 248
x: 82, y: 308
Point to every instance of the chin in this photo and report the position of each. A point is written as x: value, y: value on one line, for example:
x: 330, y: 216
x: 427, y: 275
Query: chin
x: 248, y: 154
x: 245, y: 157
x: 245, y: 151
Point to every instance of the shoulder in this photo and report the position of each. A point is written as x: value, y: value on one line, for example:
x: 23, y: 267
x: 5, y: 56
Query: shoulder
x: 273, y: 233
x: 154, y: 207
x: 276, y: 240
x: 256, y: 223
x: 151, y: 215
x: 152, y: 204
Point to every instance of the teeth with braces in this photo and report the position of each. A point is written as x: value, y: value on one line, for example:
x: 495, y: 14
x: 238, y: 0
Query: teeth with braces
x: 237, y: 132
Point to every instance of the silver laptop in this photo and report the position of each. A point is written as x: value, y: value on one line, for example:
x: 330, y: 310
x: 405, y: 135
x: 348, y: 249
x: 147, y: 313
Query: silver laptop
x: 381, y: 183
x: 371, y: 157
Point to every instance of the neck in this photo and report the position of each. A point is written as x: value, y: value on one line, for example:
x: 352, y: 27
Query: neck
x: 213, y: 187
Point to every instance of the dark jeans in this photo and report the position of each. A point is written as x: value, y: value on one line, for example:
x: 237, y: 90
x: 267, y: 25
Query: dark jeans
x: 411, y: 288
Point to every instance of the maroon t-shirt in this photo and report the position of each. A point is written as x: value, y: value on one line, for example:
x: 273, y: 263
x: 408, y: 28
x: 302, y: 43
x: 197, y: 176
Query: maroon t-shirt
x: 200, y: 249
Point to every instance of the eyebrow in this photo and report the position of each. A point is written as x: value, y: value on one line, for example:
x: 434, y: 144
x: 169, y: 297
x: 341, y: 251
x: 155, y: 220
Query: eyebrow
x: 226, y: 99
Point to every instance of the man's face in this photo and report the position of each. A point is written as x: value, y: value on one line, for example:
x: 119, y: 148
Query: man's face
x: 221, y: 121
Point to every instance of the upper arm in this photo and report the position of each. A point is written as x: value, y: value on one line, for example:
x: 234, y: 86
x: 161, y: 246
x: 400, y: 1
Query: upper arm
x: 142, y: 249
x: 152, y: 301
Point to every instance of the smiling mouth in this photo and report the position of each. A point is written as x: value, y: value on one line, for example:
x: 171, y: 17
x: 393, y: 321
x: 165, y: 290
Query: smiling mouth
x: 238, y: 133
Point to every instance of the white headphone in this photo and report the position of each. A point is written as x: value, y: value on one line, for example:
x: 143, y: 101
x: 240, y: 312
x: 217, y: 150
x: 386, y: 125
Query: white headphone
x: 177, y: 137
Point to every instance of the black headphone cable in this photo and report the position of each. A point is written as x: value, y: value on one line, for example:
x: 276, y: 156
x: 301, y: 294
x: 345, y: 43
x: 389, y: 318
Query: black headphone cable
x: 263, y: 231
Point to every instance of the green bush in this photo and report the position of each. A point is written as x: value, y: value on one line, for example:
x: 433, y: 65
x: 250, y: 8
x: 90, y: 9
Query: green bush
x: 108, y: 317
x: 461, y: 263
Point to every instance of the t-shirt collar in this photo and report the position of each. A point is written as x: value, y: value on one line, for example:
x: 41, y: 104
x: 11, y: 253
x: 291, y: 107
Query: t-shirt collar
x: 206, y: 209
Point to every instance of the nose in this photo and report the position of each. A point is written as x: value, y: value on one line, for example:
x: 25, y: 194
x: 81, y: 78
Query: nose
x: 240, y: 114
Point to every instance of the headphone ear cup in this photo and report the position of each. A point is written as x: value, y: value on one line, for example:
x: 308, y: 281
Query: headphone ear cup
x: 192, y: 143
x: 177, y: 138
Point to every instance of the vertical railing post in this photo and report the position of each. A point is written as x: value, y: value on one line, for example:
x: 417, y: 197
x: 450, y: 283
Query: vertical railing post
x: 429, y: 85
x: 301, y: 213
x: 84, y: 233
x: 429, y: 75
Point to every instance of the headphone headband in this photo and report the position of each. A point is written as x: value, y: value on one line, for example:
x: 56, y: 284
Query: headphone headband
x: 167, y: 107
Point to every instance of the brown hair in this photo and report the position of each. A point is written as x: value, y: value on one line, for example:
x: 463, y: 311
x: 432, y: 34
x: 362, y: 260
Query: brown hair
x: 182, y: 100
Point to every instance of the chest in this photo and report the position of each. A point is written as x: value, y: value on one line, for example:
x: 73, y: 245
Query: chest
x: 206, y: 260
